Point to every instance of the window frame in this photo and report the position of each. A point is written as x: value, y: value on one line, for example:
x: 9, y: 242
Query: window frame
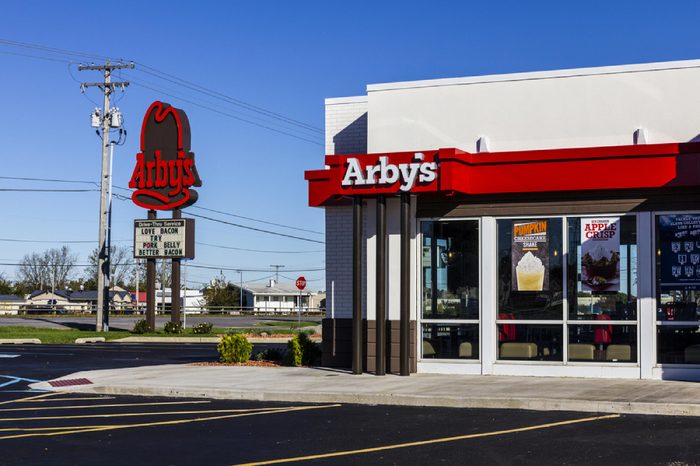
x: 655, y: 288
x: 419, y: 274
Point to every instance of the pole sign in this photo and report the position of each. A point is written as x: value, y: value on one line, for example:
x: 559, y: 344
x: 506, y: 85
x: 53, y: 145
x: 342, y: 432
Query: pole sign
x: 164, y: 239
x: 165, y: 169
x: 301, y: 283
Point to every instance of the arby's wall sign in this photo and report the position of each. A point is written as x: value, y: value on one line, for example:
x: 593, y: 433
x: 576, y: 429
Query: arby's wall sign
x: 165, y: 170
x: 406, y: 175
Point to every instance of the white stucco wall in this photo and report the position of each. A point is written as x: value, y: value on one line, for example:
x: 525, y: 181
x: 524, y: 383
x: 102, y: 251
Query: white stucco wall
x: 552, y: 109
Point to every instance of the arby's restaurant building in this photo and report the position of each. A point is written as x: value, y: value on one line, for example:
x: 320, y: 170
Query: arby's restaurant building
x: 543, y: 224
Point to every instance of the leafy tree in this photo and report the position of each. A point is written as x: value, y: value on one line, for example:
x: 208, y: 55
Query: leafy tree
x: 222, y: 293
x: 6, y: 286
x: 52, y: 267
x: 20, y: 289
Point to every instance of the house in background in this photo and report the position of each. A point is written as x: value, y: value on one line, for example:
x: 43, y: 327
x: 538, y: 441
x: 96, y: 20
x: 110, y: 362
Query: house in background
x: 191, y: 300
x: 40, y: 301
x: 10, y: 304
x: 75, y: 301
x: 275, y: 298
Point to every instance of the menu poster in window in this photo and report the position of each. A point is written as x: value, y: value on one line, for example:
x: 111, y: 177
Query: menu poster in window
x: 600, y: 254
x: 530, y: 256
x: 679, y: 245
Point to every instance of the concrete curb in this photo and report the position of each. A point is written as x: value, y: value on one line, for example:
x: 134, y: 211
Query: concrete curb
x: 540, y: 404
x: 257, y: 340
x: 19, y: 341
x: 81, y: 341
x: 167, y: 340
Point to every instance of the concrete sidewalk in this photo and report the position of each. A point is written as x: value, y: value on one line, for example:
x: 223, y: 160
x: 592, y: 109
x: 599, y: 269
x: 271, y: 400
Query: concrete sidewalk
x: 327, y: 386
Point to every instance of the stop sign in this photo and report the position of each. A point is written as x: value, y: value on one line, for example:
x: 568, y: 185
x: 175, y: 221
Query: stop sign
x: 301, y: 283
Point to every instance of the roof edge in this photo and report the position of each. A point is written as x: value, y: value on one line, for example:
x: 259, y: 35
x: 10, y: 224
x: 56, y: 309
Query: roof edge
x: 536, y: 75
x: 346, y: 100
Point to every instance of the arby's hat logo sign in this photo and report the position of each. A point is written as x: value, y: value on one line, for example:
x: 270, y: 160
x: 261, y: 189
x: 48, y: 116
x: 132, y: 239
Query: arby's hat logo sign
x: 165, y: 171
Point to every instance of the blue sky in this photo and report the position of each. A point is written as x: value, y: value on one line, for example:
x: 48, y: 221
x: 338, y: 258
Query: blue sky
x: 285, y: 57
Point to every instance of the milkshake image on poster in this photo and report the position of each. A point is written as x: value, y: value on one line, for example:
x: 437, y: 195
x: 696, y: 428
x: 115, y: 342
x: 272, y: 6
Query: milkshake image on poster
x: 600, y: 254
x: 530, y: 256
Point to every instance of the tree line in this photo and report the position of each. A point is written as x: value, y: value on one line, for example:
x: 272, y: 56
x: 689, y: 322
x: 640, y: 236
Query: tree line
x: 58, y: 269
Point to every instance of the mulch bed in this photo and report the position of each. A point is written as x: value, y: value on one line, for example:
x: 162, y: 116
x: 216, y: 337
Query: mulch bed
x: 248, y: 363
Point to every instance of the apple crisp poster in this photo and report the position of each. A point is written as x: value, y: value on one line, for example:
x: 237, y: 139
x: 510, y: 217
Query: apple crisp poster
x: 600, y: 254
x: 530, y: 256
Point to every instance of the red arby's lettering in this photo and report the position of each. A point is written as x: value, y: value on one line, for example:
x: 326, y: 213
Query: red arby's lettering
x: 165, y: 170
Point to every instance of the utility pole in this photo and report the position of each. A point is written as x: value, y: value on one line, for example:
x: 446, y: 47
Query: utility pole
x: 103, y: 266
x: 277, y: 271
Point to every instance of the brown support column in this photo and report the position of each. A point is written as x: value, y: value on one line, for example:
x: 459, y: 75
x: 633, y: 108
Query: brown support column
x: 381, y: 286
x: 151, y: 285
x: 357, y: 331
x: 175, y: 283
x: 405, y: 324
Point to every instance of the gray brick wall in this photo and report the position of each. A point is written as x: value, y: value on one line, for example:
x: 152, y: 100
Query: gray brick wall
x: 346, y: 133
x: 346, y: 126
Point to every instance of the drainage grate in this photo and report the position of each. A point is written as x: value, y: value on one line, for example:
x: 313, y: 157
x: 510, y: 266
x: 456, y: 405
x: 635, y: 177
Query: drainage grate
x: 69, y: 382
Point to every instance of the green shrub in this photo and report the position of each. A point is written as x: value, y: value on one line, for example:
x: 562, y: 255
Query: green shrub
x: 173, y: 327
x: 270, y: 354
x: 234, y: 348
x: 294, y: 355
x: 141, y: 326
x: 309, y: 350
x: 202, y: 328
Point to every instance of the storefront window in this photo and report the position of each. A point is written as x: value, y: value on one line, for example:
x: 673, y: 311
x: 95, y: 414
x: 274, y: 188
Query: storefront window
x: 530, y: 269
x: 602, y: 268
x: 603, y: 343
x: 678, y: 344
x: 450, y: 341
x: 529, y: 342
x: 451, y: 270
x: 450, y: 278
x: 678, y: 288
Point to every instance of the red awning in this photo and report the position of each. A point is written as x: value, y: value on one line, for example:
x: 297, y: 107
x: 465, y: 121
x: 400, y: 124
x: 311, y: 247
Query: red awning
x: 552, y: 170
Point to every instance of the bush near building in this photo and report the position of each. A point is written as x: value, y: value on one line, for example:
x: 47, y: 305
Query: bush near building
x: 234, y: 349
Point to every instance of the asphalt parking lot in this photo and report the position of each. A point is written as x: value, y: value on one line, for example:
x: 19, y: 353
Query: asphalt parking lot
x: 49, y: 428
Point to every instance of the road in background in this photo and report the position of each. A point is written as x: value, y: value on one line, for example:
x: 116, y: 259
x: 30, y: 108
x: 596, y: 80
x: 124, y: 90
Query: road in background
x: 127, y: 322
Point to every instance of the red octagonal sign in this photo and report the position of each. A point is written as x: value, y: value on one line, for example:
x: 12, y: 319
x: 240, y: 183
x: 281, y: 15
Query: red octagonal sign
x: 301, y: 283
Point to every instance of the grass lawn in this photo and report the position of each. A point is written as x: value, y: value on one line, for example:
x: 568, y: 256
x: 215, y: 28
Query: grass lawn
x: 59, y: 336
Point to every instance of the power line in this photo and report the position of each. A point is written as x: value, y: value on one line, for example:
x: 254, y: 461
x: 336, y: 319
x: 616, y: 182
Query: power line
x: 257, y: 220
x: 230, y: 115
x: 60, y: 180
x: 12, y: 240
x: 212, y: 93
x: 51, y: 180
x: 64, y: 54
x: 224, y: 105
x: 300, y: 238
x: 220, y: 246
x: 38, y: 57
x: 54, y: 50
x: 307, y: 279
x: 235, y: 269
x: 257, y: 250
x: 30, y: 190
x: 196, y: 266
